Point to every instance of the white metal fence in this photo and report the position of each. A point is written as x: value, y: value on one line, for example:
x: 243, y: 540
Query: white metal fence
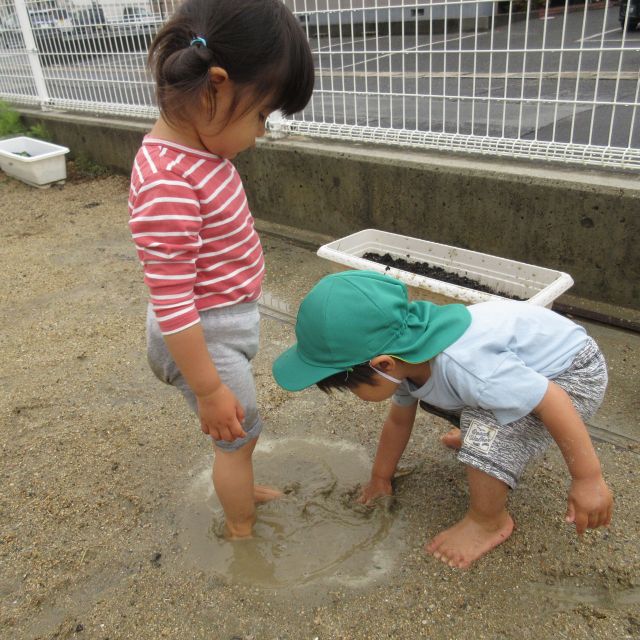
x: 544, y: 80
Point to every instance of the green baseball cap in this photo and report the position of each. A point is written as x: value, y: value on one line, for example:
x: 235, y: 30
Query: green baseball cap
x: 353, y: 316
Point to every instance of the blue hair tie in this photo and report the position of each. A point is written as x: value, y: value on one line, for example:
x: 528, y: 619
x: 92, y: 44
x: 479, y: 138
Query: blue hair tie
x: 198, y: 40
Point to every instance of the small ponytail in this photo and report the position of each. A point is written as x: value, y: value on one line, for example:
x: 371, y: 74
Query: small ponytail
x: 184, y: 65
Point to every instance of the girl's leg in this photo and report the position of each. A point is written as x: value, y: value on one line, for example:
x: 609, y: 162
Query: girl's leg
x: 485, y: 525
x: 233, y: 482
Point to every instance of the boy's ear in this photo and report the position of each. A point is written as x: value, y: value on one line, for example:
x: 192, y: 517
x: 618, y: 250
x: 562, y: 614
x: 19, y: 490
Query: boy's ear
x: 384, y: 363
x: 218, y: 75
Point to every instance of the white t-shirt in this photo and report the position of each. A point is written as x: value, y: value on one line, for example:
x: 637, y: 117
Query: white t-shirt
x: 503, y: 362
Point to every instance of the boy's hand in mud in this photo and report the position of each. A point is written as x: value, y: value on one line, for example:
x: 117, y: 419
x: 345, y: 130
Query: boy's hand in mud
x: 590, y: 504
x: 375, y: 488
x: 221, y: 414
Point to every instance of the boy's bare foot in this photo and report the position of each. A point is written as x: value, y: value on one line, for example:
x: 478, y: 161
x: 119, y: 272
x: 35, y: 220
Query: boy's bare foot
x: 452, y: 439
x: 466, y: 541
x: 263, y: 494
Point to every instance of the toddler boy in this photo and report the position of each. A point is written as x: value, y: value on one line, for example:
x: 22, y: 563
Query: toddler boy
x: 517, y: 374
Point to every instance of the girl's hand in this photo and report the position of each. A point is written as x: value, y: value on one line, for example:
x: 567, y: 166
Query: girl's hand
x: 221, y: 414
x: 590, y: 504
x: 375, y: 488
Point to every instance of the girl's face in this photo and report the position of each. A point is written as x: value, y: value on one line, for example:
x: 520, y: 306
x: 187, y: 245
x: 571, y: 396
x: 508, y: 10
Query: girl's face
x: 229, y: 134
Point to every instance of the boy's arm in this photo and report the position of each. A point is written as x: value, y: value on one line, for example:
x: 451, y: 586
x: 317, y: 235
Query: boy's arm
x: 590, y: 503
x: 396, y: 432
x: 220, y: 412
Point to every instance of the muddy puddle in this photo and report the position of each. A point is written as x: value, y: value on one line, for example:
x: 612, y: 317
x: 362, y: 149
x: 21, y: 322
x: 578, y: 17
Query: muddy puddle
x: 315, y: 534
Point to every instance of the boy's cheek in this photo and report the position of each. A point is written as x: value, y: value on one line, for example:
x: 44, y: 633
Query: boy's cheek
x: 372, y: 394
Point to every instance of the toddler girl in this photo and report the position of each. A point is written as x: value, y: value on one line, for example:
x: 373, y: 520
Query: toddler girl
x: 220, y: 67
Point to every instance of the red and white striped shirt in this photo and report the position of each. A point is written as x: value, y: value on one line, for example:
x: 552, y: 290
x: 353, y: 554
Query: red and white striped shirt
x: 194, y: 233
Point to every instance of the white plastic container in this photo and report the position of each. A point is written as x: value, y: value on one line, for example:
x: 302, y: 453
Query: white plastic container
x: 35, y: 162
x: 533, y: 284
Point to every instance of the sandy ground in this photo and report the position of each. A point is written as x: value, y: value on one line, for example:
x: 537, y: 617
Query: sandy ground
x: 98, y: 461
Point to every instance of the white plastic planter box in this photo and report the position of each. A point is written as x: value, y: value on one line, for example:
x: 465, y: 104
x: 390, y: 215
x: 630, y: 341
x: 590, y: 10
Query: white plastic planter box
x: 33, y: 161
x: 536, y: 285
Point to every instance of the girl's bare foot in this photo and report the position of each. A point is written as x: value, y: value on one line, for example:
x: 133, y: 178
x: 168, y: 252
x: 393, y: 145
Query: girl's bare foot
x: 244, y: 529
x: 263, y: 494
x: 452, y: 439
x: 466, y: 541
x: 240, y: 529
x: 237, y: 535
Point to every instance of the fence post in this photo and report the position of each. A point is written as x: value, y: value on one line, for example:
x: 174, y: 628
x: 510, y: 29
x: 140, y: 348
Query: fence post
x: 32, y: 52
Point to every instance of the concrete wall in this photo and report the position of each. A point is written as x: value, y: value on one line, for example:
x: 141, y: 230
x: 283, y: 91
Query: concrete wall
x: 581, y: 221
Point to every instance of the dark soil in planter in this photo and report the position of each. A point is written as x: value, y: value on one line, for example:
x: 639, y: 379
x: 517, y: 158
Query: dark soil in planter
x: 431, y: 271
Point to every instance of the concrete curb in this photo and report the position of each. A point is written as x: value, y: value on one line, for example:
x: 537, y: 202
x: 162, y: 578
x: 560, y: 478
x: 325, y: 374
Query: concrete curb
x: 554, y: 11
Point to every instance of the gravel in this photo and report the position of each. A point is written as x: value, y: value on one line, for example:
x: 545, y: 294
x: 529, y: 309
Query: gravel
x: 96, y: 456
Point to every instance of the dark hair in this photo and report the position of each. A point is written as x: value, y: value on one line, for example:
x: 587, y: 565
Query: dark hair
x: 259, y: 43
x: 359, y: 374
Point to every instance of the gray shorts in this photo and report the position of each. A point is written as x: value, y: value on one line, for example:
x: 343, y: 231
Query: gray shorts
x: 232, y: 335
x: 503, y: 451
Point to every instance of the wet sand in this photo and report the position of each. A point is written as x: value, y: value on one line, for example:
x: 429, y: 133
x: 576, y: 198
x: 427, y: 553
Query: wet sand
x: 106, y: 519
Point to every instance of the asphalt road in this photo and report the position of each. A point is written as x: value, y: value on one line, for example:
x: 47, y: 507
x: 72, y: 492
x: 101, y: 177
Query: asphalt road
x: 573, y: 80
x: 541, y: 79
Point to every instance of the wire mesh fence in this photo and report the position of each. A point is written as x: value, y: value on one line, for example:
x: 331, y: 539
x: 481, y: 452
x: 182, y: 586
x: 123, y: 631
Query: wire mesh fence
x: 556, y: 80
x: 85, y: 55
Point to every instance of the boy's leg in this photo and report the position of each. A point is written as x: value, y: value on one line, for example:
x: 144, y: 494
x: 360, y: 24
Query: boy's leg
x: 452, y: 439
x: 485, y: 525
x: 495, y: 457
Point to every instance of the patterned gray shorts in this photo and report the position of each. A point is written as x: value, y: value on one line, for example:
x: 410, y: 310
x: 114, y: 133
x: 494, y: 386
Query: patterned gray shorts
x: 503, y: 451
x: 232, y: 335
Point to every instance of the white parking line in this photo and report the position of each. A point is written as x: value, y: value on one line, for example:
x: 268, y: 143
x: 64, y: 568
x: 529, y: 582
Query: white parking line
x: 483, y: 75
x: 405, y: 51
x: 598, y: 35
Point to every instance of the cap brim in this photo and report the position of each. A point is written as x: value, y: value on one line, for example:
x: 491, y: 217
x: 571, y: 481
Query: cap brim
x: 292, y: 373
